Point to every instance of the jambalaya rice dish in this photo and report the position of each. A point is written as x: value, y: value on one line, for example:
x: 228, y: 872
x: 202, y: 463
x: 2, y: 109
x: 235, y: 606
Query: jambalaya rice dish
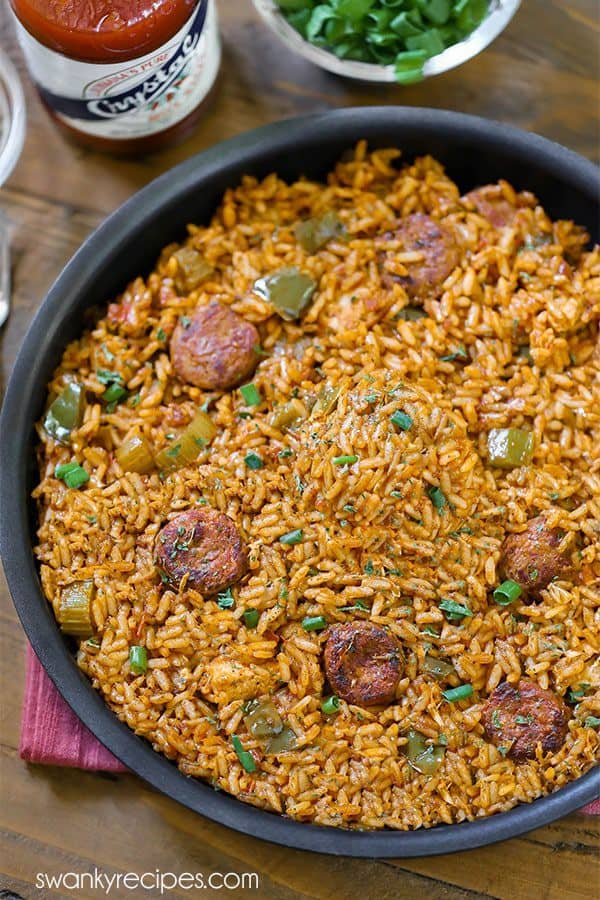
x: 320, y: 498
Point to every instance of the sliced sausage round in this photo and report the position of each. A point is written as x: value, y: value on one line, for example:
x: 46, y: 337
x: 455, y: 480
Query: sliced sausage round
x: 363, y: 663
x: 215, y: 349
x: 532, y: 557
x: 204, y: 544
x: 419, y: 233
x: 519, y: 717
x: 491, y: 204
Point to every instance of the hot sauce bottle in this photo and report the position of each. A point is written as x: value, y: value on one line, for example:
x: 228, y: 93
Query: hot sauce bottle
x: 127, y: 76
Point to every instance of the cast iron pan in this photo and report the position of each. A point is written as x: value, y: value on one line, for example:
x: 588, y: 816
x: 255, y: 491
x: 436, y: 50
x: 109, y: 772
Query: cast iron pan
x: 475, y: 151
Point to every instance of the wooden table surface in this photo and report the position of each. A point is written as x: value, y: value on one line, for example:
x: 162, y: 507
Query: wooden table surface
x: 539, y: 75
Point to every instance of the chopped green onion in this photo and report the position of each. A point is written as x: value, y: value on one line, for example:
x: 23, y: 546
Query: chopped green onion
x: 285, y: 454
x: 246, y: 758
x: 408, y: 66
x: 331, y: 705
x: 344, y: 460
x: 251, y: 617
x: 292, y: 537
x: 458, y: 693
x: 314, y: 623
x: 385, y: 32
x: 401, y: 420
x: 253, y: 461
x: 455, y: 611
x: 369, y: 567
x: 251, y: 394
x: 225, y: 599
x: 73, y: 475
x: 138, y: 660
x: 437, y: 497
x: 507, y: 592
x: 160, y: 335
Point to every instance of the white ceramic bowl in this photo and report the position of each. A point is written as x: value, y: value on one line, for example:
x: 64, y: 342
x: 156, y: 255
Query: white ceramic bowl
x: 12, y: 117
x: 499, y: 15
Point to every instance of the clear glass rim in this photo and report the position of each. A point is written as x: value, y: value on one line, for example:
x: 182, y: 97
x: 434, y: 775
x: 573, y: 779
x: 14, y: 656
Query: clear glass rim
x: 499, y: 15
x: 12, y: 112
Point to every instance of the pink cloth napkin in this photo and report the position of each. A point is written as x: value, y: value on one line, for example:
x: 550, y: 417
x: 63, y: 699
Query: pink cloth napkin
x: 52, y: 734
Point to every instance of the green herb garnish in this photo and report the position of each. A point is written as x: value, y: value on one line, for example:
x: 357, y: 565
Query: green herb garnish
x: 401, y: 420
x: 251, y: 617
x: 251, y: 394
x: 455, y: 611
x: 73, y: 475
x: 437, y: 497
x: 246, y: 758
x: 459, y: 353
x: 253, y: 460
x: 225, y: 599
x: 346, y: 460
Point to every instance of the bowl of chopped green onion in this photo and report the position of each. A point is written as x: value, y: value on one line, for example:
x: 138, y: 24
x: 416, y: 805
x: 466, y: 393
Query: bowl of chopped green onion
x: 387, y: 41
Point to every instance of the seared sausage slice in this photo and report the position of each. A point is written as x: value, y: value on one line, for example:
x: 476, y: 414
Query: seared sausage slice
x: 532, y: 558
x: 523, y: 715
x: 363, y: 663
x: 216, y: 349
x: 419, y: 233
x: 205, y: 544
x: 491, y: 204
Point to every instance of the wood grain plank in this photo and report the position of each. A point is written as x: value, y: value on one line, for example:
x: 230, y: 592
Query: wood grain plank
x: 538, y: 74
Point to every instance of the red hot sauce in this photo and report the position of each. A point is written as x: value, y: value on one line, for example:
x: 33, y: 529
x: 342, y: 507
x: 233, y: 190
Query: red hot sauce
x: 127, y: 76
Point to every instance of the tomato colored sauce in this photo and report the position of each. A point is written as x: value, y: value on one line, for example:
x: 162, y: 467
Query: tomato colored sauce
x: 126, y: 76
x: 103, y: 30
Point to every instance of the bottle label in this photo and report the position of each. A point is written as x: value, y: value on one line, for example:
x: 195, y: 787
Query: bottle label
x: 135, y: 98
